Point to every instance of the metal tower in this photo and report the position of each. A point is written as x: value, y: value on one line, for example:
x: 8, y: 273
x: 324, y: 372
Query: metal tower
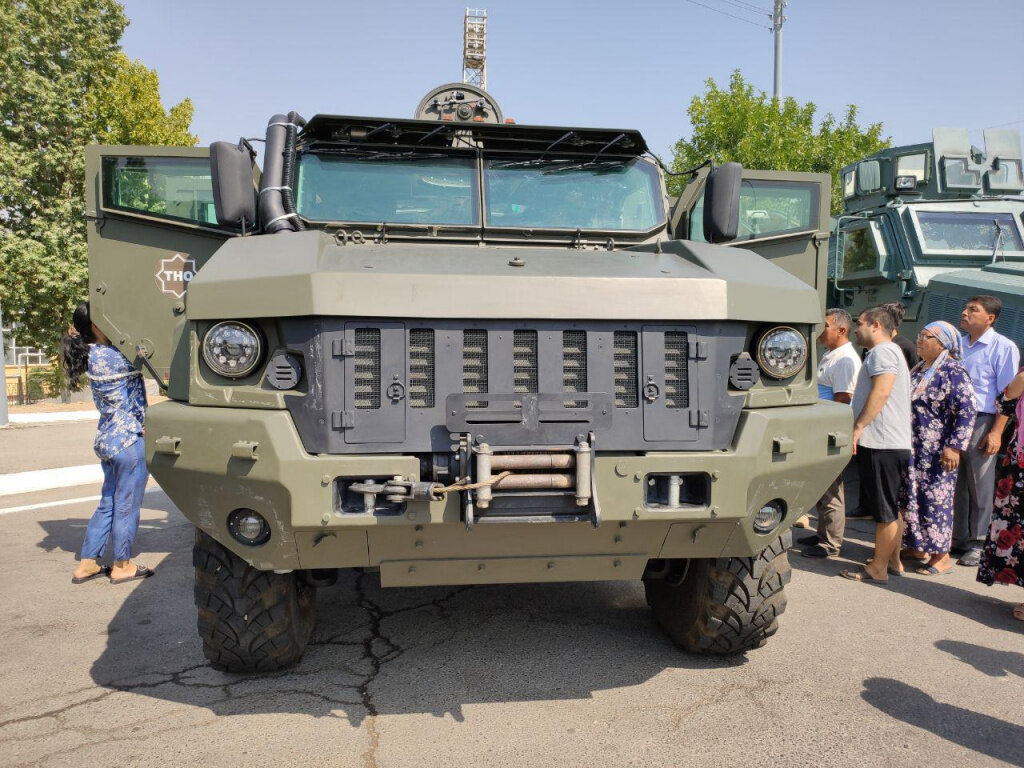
x: 474, y: 48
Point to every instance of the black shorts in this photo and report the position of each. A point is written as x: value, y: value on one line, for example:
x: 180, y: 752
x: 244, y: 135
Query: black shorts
x: 883, y: 471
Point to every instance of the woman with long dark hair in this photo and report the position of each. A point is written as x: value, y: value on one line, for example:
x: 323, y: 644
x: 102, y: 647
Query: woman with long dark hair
x: 120, y: 397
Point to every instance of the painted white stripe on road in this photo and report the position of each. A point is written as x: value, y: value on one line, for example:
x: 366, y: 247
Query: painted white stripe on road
x: 48, y: 504
x: 45, y: 479
x: 56, y: 416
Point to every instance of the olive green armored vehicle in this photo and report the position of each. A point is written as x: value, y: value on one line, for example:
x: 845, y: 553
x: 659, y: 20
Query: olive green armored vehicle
x: 457, y: 350
x: 931, y: 225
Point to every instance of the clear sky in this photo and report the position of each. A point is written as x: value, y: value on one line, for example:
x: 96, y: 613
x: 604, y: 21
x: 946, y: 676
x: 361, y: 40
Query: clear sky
x: 911, y: 64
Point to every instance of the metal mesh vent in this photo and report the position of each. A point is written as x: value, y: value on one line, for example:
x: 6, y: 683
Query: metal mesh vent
x: 421, y: 368
x: 574, y: 365
x: 474, y: 365
x: 677, y: 390
x: 524, y: 362
x: 626, y: 390
x: 367, y: 368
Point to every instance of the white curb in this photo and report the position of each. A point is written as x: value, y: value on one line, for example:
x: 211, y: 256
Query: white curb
x: 45, y: 479
x: 54, y: 417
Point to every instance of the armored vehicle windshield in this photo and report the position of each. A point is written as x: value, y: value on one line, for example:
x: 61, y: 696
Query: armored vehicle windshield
x: 499, y: 178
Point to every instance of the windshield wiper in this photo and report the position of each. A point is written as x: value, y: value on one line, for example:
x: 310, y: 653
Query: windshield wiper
x: 357, y: 153
x: 591, y: 165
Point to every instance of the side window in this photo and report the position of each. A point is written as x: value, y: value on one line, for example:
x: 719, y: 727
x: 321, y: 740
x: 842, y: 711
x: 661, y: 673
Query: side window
x: 864, y: 253
x: 767, y: 208
x: 175, y: 188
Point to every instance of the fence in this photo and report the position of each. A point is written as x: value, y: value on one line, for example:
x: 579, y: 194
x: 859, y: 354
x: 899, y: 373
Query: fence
x: 27, y: 384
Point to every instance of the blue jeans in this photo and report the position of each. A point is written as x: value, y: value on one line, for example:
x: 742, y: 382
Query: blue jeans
x: 124, y: 481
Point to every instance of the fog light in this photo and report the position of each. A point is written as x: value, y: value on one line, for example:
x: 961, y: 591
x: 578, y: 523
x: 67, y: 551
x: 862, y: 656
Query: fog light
x: 769, y: 516
x: 248, y: 527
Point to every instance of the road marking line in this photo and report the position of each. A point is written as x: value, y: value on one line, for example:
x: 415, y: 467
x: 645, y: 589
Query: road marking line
x: 46, y: 505
x: 45, y: 479
x: 54, y: 417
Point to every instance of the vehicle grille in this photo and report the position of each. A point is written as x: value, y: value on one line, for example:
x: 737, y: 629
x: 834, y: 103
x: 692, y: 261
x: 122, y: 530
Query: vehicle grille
x: 677, y: 392
x: 474, y: 365
x: 626, y: 370
x: 367, y: 368
x: 524, y: 362
x: 421, y: 368
x: 574, y: 365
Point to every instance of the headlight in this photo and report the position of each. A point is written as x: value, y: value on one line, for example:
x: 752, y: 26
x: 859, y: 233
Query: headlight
x: 781, y: 352
x: 232, y: 349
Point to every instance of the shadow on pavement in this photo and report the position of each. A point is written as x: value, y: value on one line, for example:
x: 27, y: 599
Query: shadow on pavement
x: 66, y: 534
x: 397, y: 651
x: 986, y: 660
x: 998, y: 739
x: 938, y: 591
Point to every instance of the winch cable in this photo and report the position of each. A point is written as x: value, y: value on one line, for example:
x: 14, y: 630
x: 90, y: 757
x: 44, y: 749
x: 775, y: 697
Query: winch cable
x: 461, y: 485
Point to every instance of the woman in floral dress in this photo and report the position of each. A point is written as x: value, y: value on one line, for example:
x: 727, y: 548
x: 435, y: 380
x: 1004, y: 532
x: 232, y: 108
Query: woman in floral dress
x: 943, y: 410
x: 1002, y: 560
x: 120, y: 397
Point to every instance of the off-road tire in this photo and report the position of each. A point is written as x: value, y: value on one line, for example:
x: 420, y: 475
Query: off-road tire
x: 724, y: 605
x: 249, y: 620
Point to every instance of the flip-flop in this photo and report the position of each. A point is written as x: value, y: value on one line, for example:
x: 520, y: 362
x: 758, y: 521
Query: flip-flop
x: 141, y: 572
x: 894, y: 572
x: 931, y: 570
x: 1018, y: 612
x: 82, y: 579
x: 860, y: 575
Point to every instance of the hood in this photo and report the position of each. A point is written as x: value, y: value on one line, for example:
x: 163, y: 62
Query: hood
x: 308, y: 273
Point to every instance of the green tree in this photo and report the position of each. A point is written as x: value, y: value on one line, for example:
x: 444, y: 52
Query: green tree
x: 749, y: 127
x: 64, y: 83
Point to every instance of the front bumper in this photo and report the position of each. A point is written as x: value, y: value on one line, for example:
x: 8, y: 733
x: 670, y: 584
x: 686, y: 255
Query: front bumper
x: 211, y: 461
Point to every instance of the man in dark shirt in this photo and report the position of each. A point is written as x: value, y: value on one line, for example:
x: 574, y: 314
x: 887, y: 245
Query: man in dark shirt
x: 909, y: 349
x: 897, y: 312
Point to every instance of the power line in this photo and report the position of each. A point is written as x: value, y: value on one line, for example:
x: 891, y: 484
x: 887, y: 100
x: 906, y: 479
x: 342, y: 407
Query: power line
x: 749, y: 7
x: 725, y: 13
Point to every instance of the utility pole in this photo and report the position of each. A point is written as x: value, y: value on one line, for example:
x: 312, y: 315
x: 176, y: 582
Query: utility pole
x: 3, y: 367
x: 777, y: 21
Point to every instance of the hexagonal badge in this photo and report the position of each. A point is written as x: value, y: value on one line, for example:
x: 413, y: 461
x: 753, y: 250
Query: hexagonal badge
x: 174, y: 274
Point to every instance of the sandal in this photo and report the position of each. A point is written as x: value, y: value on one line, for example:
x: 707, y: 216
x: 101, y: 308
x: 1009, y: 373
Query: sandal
x: 104, y: 571
x: 861, y: 575
x: 1018, y: 612
x: 931, y: 570
x: 141, y: 572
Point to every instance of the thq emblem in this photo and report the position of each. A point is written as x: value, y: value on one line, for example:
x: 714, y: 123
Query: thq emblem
x: 174, y: 274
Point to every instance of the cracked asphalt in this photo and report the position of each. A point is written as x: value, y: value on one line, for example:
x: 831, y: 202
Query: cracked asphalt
x: 917, y: 672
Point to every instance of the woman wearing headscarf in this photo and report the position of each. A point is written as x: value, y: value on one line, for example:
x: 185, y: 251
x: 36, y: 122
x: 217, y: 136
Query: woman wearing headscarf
x: 120, y: 397
x: 943, y: 409
x: 1002, y: 558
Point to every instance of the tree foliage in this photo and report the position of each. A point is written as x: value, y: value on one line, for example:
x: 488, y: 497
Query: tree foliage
x: 64, y: 83
x: 749, y: 127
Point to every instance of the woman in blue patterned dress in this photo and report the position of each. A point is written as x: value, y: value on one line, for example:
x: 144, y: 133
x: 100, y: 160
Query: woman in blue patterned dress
x: 943, y: 411
x: 1002, y: 559
x: 120, y: 397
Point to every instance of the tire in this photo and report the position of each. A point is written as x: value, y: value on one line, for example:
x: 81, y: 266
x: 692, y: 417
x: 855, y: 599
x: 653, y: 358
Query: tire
x: 249, y: 620
x: 724, y: 605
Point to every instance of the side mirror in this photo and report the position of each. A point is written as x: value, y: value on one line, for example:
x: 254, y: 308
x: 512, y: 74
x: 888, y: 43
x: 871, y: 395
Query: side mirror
x: 722, y: 203
x: 234, y: 194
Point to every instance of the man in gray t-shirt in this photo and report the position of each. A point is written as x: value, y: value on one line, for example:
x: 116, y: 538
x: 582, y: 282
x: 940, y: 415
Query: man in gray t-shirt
x: 881, y: 439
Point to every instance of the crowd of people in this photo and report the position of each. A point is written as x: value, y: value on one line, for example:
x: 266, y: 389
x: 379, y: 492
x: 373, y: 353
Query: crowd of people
x: 938, y: 444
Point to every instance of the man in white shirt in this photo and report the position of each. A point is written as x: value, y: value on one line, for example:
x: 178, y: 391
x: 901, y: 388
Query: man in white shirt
x: 837, y: 377
x: 881, y: 440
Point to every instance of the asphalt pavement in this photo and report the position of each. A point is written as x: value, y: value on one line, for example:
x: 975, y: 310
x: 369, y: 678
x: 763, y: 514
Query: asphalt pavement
x: 918, y: 672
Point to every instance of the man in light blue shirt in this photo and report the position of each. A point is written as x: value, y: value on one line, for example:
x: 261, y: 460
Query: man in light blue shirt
x: 992, y: 361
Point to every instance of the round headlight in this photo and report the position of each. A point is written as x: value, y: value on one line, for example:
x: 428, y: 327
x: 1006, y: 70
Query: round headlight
x: 232, y: 349
x: 781, y: 352
x: 769, y: 516
x: 248, y: 527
